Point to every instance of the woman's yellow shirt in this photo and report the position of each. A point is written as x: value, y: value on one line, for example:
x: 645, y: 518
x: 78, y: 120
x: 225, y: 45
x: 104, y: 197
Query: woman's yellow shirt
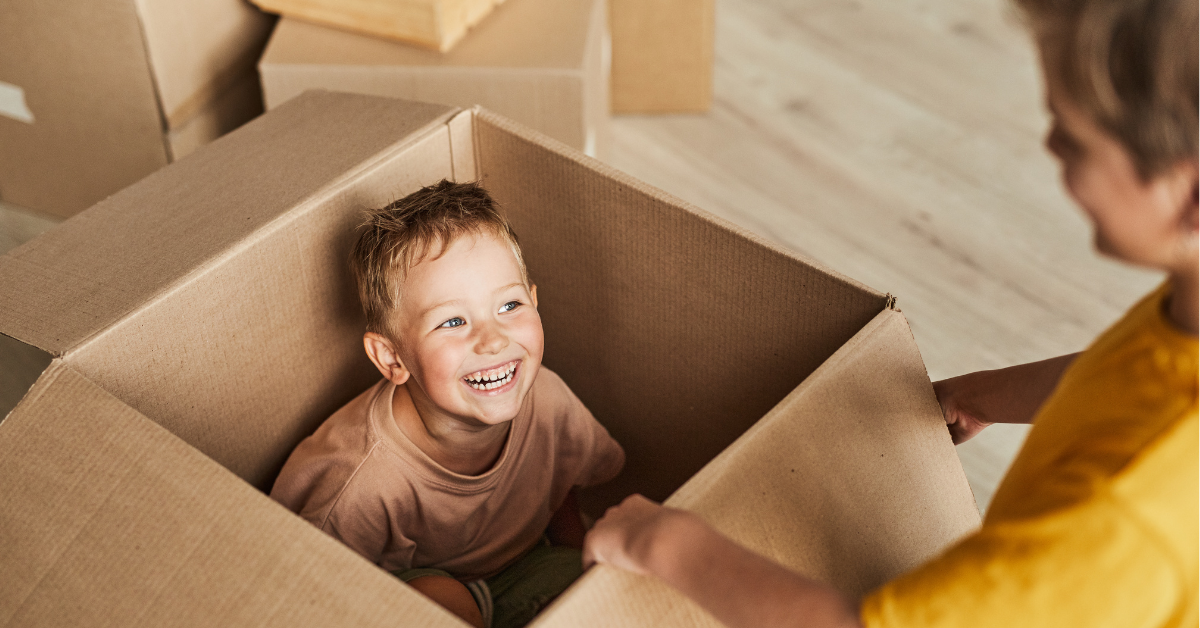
x: 1096, y: 522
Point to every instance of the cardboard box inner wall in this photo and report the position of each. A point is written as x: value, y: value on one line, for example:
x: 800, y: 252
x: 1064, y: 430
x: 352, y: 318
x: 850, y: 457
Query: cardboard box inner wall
x: 202, y: 322
x: 434, y: 24
x: 662, y: 55
x: 542, y: 63
x: 101, y: 94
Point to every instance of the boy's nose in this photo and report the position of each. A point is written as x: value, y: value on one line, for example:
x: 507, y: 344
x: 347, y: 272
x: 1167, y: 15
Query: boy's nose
x: 491, y: 339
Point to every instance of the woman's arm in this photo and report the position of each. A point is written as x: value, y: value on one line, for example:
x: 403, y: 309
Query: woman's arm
x: 739, y: 587
x: 974, y: 401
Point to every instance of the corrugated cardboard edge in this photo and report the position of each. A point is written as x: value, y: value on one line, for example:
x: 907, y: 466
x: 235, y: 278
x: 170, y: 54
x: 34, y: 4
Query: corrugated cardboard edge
x: 566, y: 152
x: 109, y: 517
x: 464, y: 158
x: 686, y: 495
x: 313, y: 201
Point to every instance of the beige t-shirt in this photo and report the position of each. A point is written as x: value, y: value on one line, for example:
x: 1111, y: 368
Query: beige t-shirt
x: 360, y: 479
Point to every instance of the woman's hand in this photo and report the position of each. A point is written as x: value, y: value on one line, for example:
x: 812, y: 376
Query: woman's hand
x: 976, y: 400
x: 626, y: 536
x: 954, y: 396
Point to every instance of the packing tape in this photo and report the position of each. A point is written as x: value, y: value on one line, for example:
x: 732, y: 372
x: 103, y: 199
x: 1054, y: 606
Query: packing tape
x: 12, y: 103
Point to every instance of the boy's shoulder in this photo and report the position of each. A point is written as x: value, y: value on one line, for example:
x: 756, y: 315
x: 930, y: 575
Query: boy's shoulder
x: 350, y: 427
x: 551, y: 394
x: 338, y: 447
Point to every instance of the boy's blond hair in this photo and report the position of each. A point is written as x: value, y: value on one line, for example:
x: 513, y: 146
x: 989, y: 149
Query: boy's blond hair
x: 1129, y: 64
x: 395, y: 238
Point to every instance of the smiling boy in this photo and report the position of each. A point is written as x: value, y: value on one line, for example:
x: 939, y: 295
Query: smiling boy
x: 456, y: 471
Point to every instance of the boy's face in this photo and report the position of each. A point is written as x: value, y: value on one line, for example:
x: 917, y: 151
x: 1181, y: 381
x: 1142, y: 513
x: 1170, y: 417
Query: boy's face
x: 1151, y: 223
x: 469, y: 332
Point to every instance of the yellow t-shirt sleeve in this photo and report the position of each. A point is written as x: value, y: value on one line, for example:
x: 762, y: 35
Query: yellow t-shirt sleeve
x: 1094, y: 565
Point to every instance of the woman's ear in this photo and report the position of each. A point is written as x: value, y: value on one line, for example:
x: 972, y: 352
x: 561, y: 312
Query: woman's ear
x: 383, y: 355
x: 1186, y: 177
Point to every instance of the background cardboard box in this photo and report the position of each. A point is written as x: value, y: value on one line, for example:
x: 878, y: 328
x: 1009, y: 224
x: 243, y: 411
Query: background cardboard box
x: 434, y: 24
x: 95, y: 95
x: 662, y: 55
x: 543, y: 63
x: 203, y: 321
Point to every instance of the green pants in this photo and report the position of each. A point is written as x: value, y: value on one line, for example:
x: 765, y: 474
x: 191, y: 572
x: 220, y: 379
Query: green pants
x: 511, y: 598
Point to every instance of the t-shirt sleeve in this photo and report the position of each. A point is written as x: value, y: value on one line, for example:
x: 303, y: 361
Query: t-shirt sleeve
x: 1091, y: 565
x: 347, y: 498
x: 597, y: 457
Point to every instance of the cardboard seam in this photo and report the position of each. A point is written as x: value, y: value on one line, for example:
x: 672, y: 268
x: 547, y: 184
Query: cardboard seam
x: 163, y: 124
x: 563, y: 151
x: 35, y: 392
x: 296, y: 211
x: 53, y: 354
x: 211, y: 92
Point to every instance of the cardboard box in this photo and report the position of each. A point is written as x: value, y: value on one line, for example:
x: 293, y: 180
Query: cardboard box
x: 96, y: 95
x: 542, y: 63
x: 203, y: 321
x: 662, y: 55
x: 434, y: 24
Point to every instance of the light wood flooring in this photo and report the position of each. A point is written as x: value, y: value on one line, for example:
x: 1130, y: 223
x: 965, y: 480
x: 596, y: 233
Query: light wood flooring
x: 897, y: 142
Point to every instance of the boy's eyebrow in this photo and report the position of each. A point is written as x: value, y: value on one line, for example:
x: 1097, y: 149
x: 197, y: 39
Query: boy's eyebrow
x: 438, y: 305
x: 515, y: 283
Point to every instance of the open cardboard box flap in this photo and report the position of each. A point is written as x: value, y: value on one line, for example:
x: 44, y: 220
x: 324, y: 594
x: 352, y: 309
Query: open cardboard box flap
x: 110, y: 520
x: 212, y: 299
x: 847, y: 481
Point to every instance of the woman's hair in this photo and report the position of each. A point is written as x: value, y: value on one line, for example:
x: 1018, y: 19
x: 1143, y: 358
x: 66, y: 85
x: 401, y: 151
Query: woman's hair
x: 423, y: 224
x: 1131, y: 65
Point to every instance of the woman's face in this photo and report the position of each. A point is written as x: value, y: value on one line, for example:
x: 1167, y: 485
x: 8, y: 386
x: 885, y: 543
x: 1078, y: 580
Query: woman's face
x: 1151, y: 222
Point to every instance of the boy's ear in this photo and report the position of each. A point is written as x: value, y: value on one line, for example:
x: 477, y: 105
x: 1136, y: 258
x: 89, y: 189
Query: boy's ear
x: 533, y: 294
x: 383, y: 354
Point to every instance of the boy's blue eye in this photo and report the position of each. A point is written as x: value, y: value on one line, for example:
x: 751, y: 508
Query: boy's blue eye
x: 454, y: 322
x: 510, y: 306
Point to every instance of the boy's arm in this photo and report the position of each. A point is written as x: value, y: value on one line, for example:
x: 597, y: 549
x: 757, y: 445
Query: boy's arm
x: 974, y: 401
x: 739, y: 587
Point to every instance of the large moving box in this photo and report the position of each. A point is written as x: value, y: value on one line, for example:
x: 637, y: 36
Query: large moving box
x: 96, y: 95
x: 434, y: 24
x: 203, y: 321
x: 662, y: 55
x: 542, y: 63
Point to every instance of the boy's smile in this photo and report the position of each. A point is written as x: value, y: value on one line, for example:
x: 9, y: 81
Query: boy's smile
x: 493, y: 380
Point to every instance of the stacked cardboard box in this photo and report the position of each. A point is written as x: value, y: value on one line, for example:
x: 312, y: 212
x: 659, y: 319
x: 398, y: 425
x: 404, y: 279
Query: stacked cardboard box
x: 434, y: 24
x: 202, y: 322
x: 540, y: 62
x: 96, y: 95
x: 662, y: 59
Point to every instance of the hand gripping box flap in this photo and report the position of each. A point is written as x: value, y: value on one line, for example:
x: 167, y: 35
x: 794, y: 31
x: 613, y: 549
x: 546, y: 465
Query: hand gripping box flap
x: 110, y: 520
x: 851, y: 480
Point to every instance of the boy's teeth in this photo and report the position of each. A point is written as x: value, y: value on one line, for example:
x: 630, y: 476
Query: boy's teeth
x: 495, y: 378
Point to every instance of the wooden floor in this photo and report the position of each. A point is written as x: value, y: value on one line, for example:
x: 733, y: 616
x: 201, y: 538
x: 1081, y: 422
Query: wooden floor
x: 899, y: 143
